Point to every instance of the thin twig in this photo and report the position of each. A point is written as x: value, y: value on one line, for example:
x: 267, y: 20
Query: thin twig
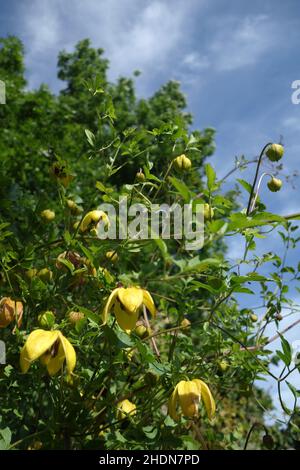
x: 152, y: 339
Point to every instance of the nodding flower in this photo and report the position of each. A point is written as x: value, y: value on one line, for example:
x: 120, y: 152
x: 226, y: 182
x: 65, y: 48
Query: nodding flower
x: 126, y: 303
x: 92, y: 219
x: 187, y: 395
x: 10, y: 310
x: 125, y: 409
x: 52, y: 348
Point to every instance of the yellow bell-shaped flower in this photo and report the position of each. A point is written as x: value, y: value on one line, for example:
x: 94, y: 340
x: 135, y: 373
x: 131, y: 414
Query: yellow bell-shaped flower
x: 187, y: 394
x: 52, y: 348
x: 92, y: 219
x: 125, y: 409
x: 126, y: 304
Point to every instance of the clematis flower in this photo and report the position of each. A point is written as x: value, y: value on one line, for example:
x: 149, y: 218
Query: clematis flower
x: 125, y: 409
x: 92, y: 219
x: 187, y: 394
x: 10, y: 310
x: 127, y: 304
x: 52, y: 348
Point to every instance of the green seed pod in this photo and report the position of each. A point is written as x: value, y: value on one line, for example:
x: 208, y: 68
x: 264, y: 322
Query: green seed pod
x: 141, y: 331
x: 275, y: 152
x: 140, y: 176
x: 46, y: 319
x: 45, y: 275
x: 75, y: 317
x: 31, y: 273
x: 208, y: 212
x: 48, y: 215
x: 74, y: 208
x: 274, y: 184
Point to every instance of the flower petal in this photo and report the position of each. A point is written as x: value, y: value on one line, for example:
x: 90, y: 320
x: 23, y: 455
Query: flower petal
x: 125, y: 319
x: 173, y: 404
x: 125, y: 408
x: 131, y: 297
x: 207, y: 398
x: 189, y: 397
x: 55, y: 363
x: 69, y: 353
x: 109, y: 304
x: 38, y: 342
x: 149, y: 303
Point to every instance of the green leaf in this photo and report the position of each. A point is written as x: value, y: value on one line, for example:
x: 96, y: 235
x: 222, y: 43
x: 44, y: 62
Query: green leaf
x: 103, y: 188
x: 181, y: 188
x: 195, y: 264
x: 5, y: 438
x: 287, y: 352
x: 90, y: 137
x: 245, y: 185
x: 211, y: 176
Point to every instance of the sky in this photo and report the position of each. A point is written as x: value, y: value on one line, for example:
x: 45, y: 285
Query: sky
x: 236, y: 61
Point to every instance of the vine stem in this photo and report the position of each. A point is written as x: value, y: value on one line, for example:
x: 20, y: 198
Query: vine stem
x: 254, y: 425
x: 156, y: 350
x: 256, y: 176
x: 257, y: 191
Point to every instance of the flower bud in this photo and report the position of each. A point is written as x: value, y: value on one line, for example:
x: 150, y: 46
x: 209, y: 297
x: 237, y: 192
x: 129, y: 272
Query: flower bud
x: 74, y: 208
x: 274, y: 184
x: 48, y: 215
x: 208, y: 212
x: 46, y: 319
x: 112, y: 256
x: 253, y: 318
x: 141, y: 331
x: 275, y: 152
x: 31, y: 273
x: 140, y: 176
x: 45, y: 275
x: 182, y: 162
x: 75, y: 317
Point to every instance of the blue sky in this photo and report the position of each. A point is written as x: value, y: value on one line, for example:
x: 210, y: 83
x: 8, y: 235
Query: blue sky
x: 236, y: 61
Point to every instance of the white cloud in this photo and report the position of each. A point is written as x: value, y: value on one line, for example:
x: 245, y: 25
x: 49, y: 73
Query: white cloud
x: 195, y: 61
x: 242, y: 42
x: 235, y: 42
x: 136, y: 34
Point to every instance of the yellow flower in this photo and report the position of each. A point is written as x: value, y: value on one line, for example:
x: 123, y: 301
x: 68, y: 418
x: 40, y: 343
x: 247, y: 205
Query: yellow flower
x: 92, y: 219
x: 10, y: 310
x: 126, y: 408
x: 188, y: 394
x: 126, y: 304
x: 51, y: 347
